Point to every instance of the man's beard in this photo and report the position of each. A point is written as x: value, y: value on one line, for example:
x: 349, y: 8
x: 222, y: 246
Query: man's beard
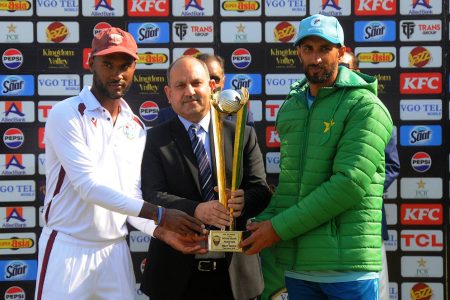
x: 103, y: 90
x: 318, y: 78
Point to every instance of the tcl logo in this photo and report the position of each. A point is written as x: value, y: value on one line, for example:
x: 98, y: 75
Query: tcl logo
x: 422, y: 240
x: 421, y: 214
x: 272, y: 137
x: 375, y: 7
x: 421, y: 83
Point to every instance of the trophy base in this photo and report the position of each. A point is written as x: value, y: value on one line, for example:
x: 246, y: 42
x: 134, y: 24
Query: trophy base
x: 224, y: 240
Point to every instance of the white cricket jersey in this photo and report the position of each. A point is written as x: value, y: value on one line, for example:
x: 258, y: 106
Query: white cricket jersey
x: 93, y: 169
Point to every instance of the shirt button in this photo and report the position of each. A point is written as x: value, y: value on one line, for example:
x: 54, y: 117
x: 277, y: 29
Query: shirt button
x: 109, y: 119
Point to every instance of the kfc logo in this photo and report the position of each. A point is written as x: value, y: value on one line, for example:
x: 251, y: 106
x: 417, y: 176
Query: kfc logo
x: 421, y: 214
x: 375, y: 7
x: 272, y: 137
x: 141, y: 8
x: 421, y: 83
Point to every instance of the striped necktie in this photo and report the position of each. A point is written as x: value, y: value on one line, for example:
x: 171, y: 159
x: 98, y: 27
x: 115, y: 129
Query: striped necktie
x: 204, y: 168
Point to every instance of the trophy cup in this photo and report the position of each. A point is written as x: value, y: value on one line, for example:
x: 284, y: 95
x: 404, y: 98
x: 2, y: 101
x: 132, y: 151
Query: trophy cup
x: 228, y: 102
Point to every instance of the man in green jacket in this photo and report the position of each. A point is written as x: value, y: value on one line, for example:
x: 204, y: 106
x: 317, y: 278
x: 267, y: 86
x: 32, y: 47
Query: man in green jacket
x: 322, y: 227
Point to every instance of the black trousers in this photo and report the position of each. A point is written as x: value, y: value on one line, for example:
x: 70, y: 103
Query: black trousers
x: 209, y: 285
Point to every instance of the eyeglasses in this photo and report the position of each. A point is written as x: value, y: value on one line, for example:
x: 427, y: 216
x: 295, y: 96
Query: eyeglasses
x: 215, y: 78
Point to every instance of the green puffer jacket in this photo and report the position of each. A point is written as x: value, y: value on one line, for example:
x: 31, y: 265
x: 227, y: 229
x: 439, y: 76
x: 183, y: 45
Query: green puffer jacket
x: 327, y: 206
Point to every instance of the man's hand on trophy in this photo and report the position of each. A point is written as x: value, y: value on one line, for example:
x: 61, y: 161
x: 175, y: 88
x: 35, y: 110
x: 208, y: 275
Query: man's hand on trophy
x: 213, y: 213
x: 263, y: 236
x: 236, y: 202
x: 188, y: 244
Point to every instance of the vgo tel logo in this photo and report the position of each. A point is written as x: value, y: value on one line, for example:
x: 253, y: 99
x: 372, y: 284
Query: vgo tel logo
x: 421, y: 162
x: 272, y: 137
x: 13, y: 138
x: 420, y: 83
x: 241, y: 58
x: 273, y: 162
x: 421, y: 240
x: 375, y: 7
x: 12, y: 58
x: 421, y: 214
x: 426, y: 109
x: 149, y: 111
x: 17, y: 190
x: 15, y: 293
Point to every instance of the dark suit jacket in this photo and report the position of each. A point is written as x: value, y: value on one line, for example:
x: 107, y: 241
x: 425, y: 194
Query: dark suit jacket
x: 170, y: 179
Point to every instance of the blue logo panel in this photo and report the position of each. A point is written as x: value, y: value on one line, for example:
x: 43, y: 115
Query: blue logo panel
x: 18, y: 270
x: 253, y: 82
x: 374, y: 31
x: 421, y: 135
x: 16, y: 85
x: 145, y: 33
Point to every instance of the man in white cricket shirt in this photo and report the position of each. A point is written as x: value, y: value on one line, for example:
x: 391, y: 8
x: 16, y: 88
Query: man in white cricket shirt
x: 94, y: 146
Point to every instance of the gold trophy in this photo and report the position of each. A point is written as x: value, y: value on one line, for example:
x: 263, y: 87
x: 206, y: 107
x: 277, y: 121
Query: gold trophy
x: 224, y: 103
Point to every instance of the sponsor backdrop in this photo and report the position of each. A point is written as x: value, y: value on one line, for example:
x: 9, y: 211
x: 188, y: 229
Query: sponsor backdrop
x: 45, y: 46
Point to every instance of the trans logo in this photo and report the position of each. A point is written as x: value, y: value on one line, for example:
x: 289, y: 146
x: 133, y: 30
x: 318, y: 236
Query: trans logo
x: 149, y: 111
x: 241, y: 58
x: 12, y: 58
x: 13, y: 138
x: 421, y: 162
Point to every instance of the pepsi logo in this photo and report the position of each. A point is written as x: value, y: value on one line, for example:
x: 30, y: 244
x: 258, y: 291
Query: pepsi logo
x: 143, y: 264
x: 15, y: 292
x: 421, y: 162
x: 241, y: 58
x: 12, y: 58
x: 100, y: 26
x: 192, y: 52
x: 149, y: 111
x: 13, y: 138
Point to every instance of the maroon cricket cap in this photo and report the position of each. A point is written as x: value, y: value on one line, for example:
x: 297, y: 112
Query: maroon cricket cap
x: 113, y: 40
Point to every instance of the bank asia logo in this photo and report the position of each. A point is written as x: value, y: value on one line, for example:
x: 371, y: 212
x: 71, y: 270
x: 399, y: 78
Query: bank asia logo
x: 13, y: 138
x: 240, y: 8
x: 421, y: 162
x: 421, y: 214
x: 18, y: 243
x: 103, y: 8
x: 15, y: 292
x: 375, y: 7
x: 421, y: 135
x: 137, y: 8
x: 153, y: 58
x: 420, y: 83
x: 155, y: 32
x: 16, y: 8
x: 380, y: 57
x: 58, y: 84
x: 16, y: 85
x: 17, y: 164
x: 375, y: 31
x: 241, y: 58
x: 12, y: 58
x: 421, y: 7
x: 18, y: 270
x: 284, y: 8
x: 149, y: 111
x: 252, y: 82
x: 100, y: 26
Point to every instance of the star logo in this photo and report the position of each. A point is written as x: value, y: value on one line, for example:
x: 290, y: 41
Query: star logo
x: 328, y: 125
x: 11, y: 28
x: 421, y: 184
x: 240, y: 28
x: 422, y: 263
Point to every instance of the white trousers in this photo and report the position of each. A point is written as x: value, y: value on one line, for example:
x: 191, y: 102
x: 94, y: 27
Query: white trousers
x: 72, y: 269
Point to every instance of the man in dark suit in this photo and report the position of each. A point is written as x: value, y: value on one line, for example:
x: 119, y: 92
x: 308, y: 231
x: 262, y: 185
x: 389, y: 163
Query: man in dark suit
x: 216, y: 69
x: 171, y: 177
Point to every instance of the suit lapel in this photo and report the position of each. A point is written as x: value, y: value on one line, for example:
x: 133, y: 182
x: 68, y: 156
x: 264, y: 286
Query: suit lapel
x: 181, y: 138
x: 213, y: 152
